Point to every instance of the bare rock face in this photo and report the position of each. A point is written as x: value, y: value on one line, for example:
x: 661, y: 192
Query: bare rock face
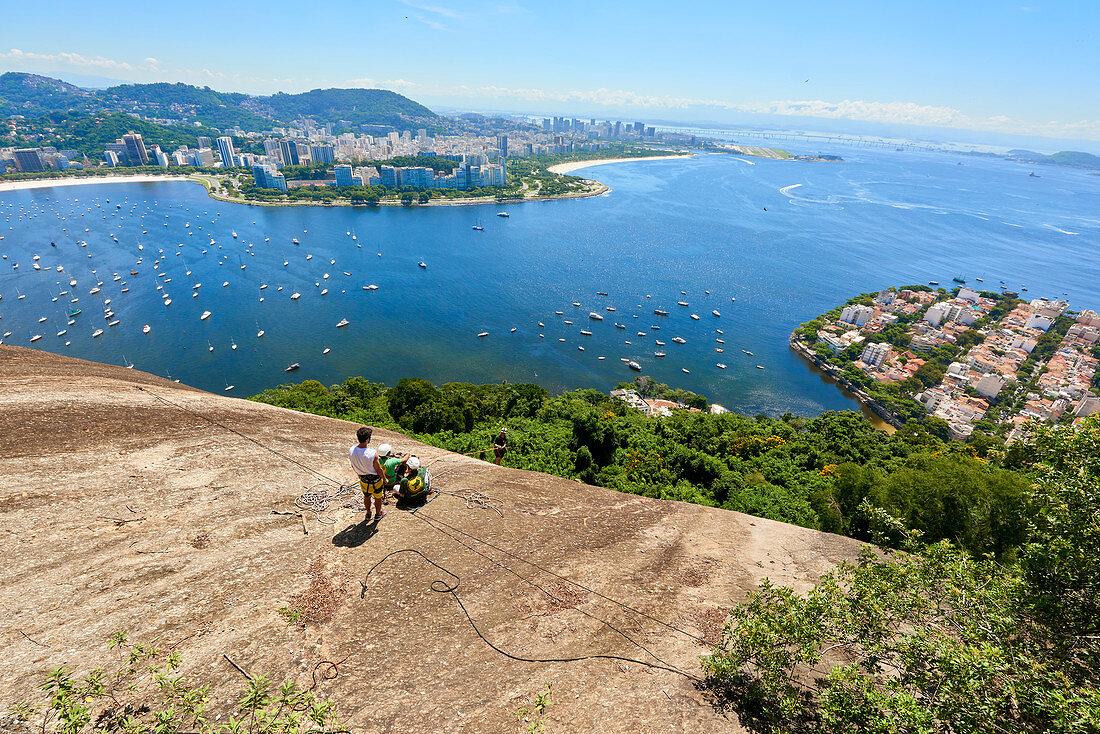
x: 133, y: 503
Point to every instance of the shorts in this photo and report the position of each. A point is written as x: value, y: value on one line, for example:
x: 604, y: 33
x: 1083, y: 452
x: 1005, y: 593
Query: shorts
x: 372, y: 485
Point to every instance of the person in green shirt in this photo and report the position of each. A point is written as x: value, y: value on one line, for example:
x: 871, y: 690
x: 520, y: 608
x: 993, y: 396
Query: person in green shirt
x: 415, y: 485
x: 391, y: 465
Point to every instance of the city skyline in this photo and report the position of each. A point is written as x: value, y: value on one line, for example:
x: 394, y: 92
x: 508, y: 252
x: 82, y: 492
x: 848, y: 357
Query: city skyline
x: 996, y: 67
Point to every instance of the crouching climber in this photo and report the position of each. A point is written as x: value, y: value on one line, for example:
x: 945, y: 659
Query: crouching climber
x: 414, y: 485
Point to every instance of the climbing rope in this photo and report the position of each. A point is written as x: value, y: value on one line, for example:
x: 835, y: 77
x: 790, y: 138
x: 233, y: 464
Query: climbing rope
x: 432, y: 521
x: 318, y: 500
x: 442, y: 587
x: 475, y: 499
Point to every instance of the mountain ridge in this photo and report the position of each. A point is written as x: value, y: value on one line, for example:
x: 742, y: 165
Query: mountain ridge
x: 33, y: 95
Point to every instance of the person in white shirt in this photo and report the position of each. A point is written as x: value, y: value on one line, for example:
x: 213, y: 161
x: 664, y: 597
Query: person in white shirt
x: 364, y: 461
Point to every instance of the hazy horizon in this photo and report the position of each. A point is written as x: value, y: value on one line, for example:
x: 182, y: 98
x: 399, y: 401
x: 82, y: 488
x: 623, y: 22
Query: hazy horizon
x: 1000, y: 68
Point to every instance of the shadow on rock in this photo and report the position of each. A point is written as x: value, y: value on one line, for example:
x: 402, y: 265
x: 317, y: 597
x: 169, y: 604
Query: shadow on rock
x: 355, y: 535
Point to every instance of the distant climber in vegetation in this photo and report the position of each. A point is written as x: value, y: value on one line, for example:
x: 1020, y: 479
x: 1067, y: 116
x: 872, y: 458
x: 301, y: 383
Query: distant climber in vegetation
x: 500, y: 445
x: 364, y: 462
x: 415, y: 484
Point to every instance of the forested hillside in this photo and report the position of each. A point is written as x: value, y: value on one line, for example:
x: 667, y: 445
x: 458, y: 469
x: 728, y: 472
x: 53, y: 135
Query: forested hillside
x: 32, y: 96
x: 835, y: 472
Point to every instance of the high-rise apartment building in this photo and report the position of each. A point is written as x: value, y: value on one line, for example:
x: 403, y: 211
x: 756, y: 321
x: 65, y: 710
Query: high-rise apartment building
x: 343, y: 175
x: 322, y: 154
x: 225, y: 150
x: 28, y: 160
x: 135, y: 149
x: 288, y: 151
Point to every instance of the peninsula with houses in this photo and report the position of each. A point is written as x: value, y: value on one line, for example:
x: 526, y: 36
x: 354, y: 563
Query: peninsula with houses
x: 964, y: 362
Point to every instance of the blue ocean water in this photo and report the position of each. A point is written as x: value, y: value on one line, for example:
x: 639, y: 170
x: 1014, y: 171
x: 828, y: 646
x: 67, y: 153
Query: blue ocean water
x: 774, y: 243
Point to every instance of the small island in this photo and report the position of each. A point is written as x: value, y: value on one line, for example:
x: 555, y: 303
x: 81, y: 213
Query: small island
x: 966, y: 363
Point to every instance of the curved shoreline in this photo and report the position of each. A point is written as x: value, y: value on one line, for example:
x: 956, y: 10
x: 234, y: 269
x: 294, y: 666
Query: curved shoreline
x: 596, y: 189
x: 884, y: 416
x: 564, y: 168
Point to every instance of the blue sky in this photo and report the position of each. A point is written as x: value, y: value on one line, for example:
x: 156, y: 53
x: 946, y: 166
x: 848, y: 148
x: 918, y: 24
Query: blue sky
x: 1022, y: 67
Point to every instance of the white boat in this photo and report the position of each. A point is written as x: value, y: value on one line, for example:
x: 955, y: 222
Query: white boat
x: 679, y: 340
x: 595, y: 316
x: 324, y: 291
x: 634, y: 366
x: 97, y: 332
x: 146, y: 329
x: 720, y: 341
x: 259, y: 333
x: 36, y: 337
x: 93, y: 291
x: 715, y: 312
x: 759, y: 366
x: 326, y: 350
x: 660, y: 343
x: 205, y: 316
x: 167, y: 301
x: 342, y: 323
x: 295, y: 296
x: 484, y: 333
x: 295, y: 241
x: 721, y: 366
x: 685, y: 370
x: 113, y: 323
x: 682, y: 303
x: 263, y: 286
x: 695, y: 317
x: 503, y: 214
x: 371, y: 287
x: 62, y: 332
x: 585, y: 333
x: 658, y: 354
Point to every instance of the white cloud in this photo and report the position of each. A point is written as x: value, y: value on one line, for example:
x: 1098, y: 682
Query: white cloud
x: 434, y: 9
x: 77, y: 60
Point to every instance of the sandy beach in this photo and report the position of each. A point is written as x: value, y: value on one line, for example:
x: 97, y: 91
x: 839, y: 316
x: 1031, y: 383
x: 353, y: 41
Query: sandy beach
x: 577, y: 165
x: 47, y: 182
